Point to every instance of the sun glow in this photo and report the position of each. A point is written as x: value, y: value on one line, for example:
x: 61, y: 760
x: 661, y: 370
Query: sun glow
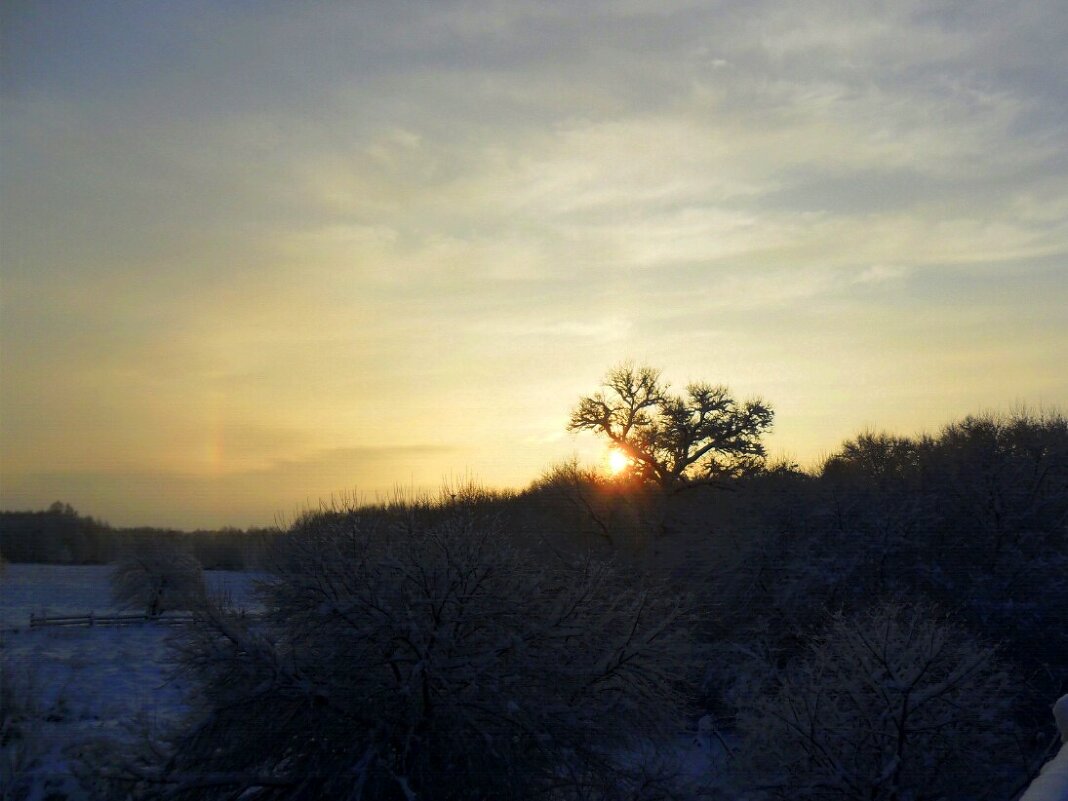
x: 617, y: 461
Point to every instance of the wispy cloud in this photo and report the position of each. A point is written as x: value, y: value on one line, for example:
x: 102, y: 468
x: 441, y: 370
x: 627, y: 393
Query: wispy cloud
x: 302, y: 230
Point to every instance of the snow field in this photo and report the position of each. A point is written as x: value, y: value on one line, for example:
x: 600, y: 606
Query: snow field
x: 81, y: 589
x: 66, y: 690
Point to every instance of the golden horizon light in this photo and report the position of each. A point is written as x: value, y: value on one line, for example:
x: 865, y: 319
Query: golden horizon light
x: 618, y: 461
x: 257, y: 255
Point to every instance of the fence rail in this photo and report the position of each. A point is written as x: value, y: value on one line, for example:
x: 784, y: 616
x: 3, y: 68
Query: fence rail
x: 40, y: 621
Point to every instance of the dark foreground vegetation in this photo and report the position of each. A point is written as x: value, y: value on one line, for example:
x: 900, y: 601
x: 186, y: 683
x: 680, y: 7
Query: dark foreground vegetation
x: 890, y: 627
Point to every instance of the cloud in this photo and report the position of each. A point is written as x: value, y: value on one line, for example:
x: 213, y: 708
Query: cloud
x: 295, y: 230
x: 881, y: 273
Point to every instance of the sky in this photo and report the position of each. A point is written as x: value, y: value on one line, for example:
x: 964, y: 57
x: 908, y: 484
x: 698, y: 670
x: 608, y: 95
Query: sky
x: 255, y: 255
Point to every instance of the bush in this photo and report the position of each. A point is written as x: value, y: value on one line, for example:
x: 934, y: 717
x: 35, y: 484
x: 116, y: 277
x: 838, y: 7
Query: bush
x: 441, y: 663
x: 886, y: 705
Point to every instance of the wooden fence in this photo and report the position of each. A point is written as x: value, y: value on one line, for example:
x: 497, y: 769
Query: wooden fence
x: 40, y: 621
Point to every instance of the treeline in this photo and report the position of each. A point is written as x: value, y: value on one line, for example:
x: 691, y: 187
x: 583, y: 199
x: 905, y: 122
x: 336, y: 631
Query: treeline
x: 59, y: 535
x: 888, y: 626
x: 973, y: 520
x: 961, y: 535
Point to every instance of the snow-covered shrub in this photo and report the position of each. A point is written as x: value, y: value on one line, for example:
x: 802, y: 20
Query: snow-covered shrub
x: 158, y: 577
x: 438, y: 663
x: 887, y: 705
x: 20, y: 715
x: 1052, y: 782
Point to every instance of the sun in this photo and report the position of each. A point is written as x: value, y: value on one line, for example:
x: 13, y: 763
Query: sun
x: 617, y: 461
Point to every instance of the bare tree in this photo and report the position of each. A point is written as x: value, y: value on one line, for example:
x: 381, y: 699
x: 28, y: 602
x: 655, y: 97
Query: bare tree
x: 157, y: 576
x: 436, y: 664
x: 702, y: 434
x: 887, y: 705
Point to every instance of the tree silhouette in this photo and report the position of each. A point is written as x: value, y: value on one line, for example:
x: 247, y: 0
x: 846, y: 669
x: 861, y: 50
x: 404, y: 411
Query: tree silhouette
x: 672, y: 439
x: 893, y: 703
x: 158, y: 576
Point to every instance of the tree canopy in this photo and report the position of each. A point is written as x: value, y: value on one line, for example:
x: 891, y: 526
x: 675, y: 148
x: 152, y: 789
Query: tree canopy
x: 670, y: 438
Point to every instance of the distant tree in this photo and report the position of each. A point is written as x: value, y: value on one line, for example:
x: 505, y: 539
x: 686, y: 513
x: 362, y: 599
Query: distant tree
x: 886, y: 705
x: 441, y: 663
x: 1003, y: 480
x: 700, y: 435
x: 56, y: 535
x: 60, y: 508
x: 158, y: 576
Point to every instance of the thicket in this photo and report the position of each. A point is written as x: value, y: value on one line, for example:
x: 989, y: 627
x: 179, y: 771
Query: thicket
x: 965, y: 530
x: 418, y: 653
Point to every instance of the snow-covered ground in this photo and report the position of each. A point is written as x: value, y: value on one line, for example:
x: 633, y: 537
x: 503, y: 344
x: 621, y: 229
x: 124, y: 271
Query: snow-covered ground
x: 81, y: 589
x: 1052, y: 783
x: 74, y: 688
x: 67, y: 690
